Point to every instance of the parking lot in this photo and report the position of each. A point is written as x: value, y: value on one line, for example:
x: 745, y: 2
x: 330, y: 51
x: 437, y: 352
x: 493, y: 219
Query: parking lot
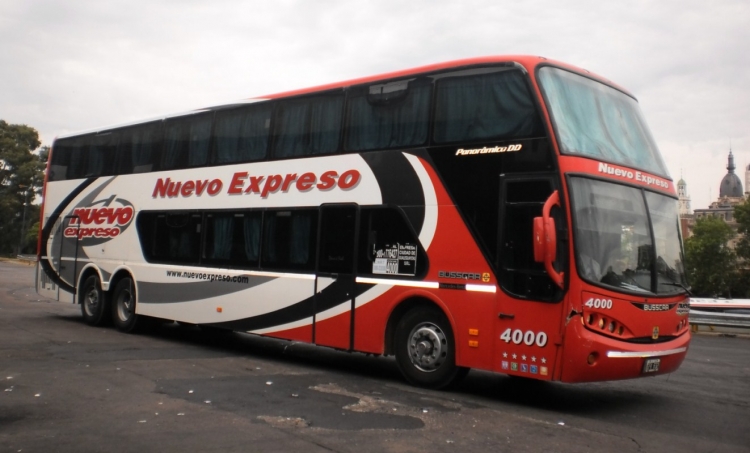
x: 70, y: 387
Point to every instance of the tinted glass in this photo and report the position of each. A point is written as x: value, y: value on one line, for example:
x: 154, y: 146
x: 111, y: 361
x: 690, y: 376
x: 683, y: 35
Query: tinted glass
x: 496, y: 105
x: 614, y: 243
x: 595, y: 120
x: 171, y: 237
x: 242, y: 134
x: 139, y: 149
x: 387, y: 245
x: 308, y: 126
x: 289, y: 240
x: 388, y: 116
x: 233, y: 239
x: 186, y: 142
x: 101, y: 154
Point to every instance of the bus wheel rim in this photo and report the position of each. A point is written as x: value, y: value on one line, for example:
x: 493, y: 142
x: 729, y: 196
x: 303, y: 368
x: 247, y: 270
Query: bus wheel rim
x: 91, y: 301
x: 427, y: 347
x: 125, y: 306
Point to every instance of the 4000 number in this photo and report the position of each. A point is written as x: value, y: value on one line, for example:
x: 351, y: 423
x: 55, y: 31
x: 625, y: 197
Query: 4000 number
x: 599, y: 303
x: 529, y: 338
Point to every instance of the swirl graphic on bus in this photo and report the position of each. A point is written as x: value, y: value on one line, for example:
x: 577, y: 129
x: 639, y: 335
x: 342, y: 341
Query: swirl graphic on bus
x: 101, y: 221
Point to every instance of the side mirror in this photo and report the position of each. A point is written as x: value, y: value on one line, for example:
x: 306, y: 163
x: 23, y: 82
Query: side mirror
x: 545, y: 239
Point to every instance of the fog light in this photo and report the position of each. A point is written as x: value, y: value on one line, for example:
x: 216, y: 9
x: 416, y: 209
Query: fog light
x: 591, y: 319
x: 612, y: 326
x: 592, y: 358
x: 621, y: 330
x: 601, y: 323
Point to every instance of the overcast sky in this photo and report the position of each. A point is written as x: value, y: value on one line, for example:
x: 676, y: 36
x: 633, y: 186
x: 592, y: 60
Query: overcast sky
x: 74, y: 65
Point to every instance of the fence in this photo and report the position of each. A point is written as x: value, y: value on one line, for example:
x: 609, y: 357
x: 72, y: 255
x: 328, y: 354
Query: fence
x: 733, y: 313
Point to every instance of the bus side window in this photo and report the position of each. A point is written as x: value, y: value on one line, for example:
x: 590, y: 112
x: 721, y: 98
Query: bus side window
x: 388, y: 245
x: 101, y: 155
x: 60, y: 160
x: 390, y: 115
x: 521, y: 275
x: 186, y: 141
x: 138, y: 150
x: 233, y: 239
x: 170, y: 237
x: 77, y: 164
x: 289, y: 240
x: 308, y: 126
x: 241, y: 135
x: 484, y: 106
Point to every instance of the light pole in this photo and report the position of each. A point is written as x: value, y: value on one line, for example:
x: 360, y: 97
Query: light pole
x: 23, y: 218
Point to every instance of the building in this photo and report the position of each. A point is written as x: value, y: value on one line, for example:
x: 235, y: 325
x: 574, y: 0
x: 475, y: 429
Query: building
x: 687, y: 219
x: 730, y: 195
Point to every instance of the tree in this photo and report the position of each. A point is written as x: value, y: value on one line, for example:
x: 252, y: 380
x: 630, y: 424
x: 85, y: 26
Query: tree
x: 22, y: 167
x: 710, y: 263
x: 742, y: 216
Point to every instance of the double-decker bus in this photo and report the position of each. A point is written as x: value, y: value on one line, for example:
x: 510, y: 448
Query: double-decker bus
x: 510, y: 214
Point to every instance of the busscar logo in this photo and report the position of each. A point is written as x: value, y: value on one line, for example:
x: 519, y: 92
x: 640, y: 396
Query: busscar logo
x: 459, y: 275
x: 103, y: 219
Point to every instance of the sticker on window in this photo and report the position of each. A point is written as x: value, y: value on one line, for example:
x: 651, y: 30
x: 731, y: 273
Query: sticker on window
x: 395, y: 259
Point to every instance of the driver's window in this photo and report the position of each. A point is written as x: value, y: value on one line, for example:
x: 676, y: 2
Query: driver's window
x: 520, y: 274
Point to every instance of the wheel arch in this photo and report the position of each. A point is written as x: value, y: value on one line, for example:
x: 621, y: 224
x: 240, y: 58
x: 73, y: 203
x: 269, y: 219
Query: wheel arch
x: 87, y: 271
x: 407, y: 304
x: 120, y: 273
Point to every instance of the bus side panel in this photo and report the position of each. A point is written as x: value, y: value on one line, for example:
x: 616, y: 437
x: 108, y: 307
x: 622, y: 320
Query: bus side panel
x: 45, y: 286
x: 334, y: 331
x: 457, y: 264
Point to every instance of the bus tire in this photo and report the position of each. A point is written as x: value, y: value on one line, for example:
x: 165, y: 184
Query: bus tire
x: 123, y: 307
x: 425, y: 349
x: 95, y: 306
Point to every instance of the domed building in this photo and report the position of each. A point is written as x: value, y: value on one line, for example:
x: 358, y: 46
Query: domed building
x: 730, y: 195
x: 731, y: 186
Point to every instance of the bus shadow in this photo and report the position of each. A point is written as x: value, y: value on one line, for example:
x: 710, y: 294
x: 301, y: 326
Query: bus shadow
x: 574, y: 399
x: 482, y: 387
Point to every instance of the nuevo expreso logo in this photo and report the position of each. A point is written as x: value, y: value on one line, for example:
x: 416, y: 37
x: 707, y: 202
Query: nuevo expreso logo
x: 102, y: 222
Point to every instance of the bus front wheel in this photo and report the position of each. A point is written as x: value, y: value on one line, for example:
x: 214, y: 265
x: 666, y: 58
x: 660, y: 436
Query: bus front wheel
x: 425, y: 349
x: 95, y: 307
x: 123, y: 307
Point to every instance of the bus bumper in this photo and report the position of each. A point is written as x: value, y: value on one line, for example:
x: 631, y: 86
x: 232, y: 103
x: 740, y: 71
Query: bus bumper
x: 593, y: 357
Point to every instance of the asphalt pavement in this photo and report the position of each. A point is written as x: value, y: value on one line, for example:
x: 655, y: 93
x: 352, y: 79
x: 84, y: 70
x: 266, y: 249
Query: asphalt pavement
x: 68, y: 387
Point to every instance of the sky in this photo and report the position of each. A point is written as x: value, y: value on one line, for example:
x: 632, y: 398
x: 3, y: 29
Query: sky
x: 77, y: 65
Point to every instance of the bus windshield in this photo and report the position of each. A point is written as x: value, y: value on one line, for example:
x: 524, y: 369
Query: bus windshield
x: 595, y: 120
x: 627, y: 237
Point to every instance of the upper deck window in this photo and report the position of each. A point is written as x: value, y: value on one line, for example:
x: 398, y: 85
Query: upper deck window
x: 389, y: 115
x: 139, y: 148
x: 242, y: 134
x: 186, y: 141
x: 484, y: 106
x: 308, y: 126
x: 594, y: 120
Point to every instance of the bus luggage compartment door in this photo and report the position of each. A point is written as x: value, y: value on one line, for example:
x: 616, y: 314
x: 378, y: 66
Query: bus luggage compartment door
x: 335, y: 285
x: 67, y: 259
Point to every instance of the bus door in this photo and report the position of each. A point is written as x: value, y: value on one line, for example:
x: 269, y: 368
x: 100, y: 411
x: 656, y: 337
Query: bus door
x: 530, y: 307
x: 67, y: 259
x: 335, y: 278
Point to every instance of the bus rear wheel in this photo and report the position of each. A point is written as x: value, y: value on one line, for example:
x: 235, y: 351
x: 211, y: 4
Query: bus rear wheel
x: 425, y: 349
x: 95, y: 307
x: 123, y: 307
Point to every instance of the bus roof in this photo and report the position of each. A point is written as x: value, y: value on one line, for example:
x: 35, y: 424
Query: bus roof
x: 529, y: 62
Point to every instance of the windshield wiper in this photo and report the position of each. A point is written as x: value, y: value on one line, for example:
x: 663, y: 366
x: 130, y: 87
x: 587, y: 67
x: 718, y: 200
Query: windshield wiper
x: 679, y: 285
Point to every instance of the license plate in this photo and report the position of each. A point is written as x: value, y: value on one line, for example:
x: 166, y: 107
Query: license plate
x: 651, y: 365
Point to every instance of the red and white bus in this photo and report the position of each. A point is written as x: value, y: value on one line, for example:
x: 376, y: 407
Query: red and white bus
x: 510, y: 214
